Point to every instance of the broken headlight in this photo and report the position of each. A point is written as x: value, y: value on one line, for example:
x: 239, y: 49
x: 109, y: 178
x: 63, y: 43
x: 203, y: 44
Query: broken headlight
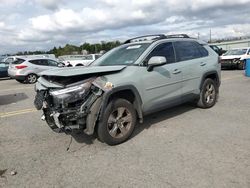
x: 70, y: 94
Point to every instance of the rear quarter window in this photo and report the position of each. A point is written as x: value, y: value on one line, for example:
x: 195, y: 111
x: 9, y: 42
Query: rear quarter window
x: 18, y: 61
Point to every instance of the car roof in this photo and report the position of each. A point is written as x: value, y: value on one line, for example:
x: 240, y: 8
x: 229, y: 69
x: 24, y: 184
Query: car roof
x: 240, y: 48
x: 35, y: 58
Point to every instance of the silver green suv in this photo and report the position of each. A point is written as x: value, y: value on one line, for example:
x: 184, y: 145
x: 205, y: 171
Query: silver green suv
x: 144, y: 75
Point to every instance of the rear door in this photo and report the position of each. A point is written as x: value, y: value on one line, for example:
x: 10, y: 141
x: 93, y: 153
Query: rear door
x: 38, y: 65
x: 193, y: 59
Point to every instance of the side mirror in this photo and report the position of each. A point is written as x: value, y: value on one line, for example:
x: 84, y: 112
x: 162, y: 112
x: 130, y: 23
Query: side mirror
x: 156, y: 61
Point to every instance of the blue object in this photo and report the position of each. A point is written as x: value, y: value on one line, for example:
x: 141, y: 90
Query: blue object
x: 248, y: 68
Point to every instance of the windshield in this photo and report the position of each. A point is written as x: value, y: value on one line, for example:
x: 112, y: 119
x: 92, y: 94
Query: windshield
x: 124, y: 55
x: 236, y: 52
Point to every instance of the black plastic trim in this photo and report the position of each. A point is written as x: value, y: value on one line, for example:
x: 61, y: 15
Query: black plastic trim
x: 138, y: 101
x: 210, y: 73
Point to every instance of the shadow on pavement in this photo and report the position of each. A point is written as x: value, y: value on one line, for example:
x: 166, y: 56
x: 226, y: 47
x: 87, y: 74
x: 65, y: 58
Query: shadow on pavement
x: 149, y: 120
x: 12, y: 98
x: 81, y: 137
x: 161, y: 116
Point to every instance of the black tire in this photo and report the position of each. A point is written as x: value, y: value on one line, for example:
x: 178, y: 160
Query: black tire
x: 31, y: 78
x: 209, y: 94
x: 115, y: 130
x: 20, y: 81
x: 241, y: 65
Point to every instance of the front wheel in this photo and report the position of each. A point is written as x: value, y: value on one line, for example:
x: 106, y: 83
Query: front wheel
x: 208, y: 94
x: 118, y: 122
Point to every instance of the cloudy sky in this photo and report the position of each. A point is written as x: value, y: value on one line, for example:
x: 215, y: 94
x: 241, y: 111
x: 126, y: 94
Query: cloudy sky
x: 43, y: 24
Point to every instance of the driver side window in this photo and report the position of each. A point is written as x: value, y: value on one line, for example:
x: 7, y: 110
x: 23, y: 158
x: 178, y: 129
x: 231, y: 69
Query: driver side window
x: 166, y: 50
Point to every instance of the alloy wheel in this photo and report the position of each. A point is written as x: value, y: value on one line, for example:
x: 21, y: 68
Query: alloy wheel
x: 31, y: 78
x: 210, y: 94
x: 119, y: 122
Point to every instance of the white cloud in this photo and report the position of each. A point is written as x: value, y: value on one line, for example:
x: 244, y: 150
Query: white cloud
x: 46, y: 23
x: 50, y: 4
x: 2, y: 25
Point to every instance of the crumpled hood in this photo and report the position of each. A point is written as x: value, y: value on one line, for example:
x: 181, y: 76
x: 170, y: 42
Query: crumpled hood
x: 77, y: 71
x: 232, y: 57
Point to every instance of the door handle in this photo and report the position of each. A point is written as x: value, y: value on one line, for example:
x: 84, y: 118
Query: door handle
x: 177, y: 71
x: 203, y: 64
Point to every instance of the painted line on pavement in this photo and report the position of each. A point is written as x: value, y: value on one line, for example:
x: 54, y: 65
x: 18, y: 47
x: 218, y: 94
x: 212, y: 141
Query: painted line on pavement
x: 20, y: 88
x: 18, y: 112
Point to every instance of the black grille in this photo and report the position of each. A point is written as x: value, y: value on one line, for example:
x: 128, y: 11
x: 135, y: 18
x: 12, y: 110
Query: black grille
x: 39, y: 100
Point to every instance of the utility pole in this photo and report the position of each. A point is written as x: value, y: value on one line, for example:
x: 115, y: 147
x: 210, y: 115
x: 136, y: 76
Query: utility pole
x: 198, y: 35
x: 210, y: 36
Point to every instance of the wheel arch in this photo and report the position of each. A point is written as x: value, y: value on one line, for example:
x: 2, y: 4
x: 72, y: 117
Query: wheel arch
x: 211, y: 74
x: 128, y: 92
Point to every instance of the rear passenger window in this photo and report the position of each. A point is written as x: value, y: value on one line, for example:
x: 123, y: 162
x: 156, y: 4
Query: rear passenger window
x: 41, y: 62
x: 166, y: 50
x: 187, y: 50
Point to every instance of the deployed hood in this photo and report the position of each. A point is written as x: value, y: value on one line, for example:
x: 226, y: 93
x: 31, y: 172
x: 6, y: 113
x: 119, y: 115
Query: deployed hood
x: 77, y: 71
x: 61, y: 77
x: 232, y: 57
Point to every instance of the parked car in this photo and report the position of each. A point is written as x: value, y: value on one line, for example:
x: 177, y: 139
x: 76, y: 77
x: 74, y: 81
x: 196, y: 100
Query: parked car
x: 235, y: 58
x: 8, y: 59
x: 218, y: 50
x: 142, y: 76
x: 28, y: 69
x: 3, y: 69
x: 78, y: 60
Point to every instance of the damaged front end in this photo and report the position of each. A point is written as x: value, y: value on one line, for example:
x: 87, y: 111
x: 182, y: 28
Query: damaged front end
x: 66, y: 105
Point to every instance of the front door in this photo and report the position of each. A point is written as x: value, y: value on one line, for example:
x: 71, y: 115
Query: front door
x: 163, y: 85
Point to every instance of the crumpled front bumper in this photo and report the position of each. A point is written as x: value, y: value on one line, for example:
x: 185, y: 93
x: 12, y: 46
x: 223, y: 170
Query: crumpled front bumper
x: 81, y: 114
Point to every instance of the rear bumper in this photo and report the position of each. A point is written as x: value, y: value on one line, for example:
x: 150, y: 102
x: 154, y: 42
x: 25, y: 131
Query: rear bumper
x: 17, y: 77
x: 15, y: 74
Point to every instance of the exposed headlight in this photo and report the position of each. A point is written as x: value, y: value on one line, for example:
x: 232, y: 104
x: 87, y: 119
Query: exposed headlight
x: 79, y: 89
x: 70, y: 94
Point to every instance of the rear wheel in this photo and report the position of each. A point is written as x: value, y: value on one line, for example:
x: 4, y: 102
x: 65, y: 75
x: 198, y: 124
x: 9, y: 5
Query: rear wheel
x: 118, y: 122
x: 31, y: 78
x: 208, y: 94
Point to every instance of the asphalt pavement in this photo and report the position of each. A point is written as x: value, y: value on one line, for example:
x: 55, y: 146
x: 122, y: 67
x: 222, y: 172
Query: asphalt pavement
x: 180, y: 147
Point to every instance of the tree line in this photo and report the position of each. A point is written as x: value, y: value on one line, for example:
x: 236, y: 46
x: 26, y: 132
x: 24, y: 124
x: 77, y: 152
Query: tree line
x: 69, y: 49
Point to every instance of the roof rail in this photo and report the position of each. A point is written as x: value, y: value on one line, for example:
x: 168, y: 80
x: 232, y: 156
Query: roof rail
x: 177, y: 36
x: 155, y: 37
x: 146, y: 38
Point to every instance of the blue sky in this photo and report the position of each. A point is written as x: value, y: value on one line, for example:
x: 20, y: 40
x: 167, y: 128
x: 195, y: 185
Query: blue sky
x: 42, y: 24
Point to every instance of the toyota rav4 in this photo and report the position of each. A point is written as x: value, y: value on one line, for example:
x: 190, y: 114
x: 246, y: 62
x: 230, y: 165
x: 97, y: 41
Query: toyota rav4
x: 144, y: 75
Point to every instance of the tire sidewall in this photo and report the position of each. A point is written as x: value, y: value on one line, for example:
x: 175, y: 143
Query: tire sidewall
x: 207, y: 82
x: 102, y: 130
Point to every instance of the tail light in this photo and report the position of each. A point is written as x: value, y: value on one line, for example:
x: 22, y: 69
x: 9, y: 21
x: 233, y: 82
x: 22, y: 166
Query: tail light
x: 20, y: 66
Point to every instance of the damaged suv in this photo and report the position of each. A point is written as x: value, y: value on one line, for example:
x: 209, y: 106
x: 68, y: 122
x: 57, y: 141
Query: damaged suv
x: 144, y: 75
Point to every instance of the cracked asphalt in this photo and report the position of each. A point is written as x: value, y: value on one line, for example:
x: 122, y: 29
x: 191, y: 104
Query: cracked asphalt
x: 179, y: 147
